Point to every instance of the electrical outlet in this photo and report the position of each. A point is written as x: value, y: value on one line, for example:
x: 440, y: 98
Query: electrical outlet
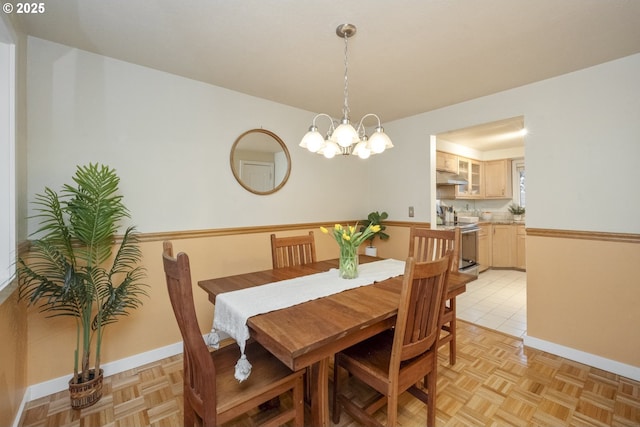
x: 410, y: 211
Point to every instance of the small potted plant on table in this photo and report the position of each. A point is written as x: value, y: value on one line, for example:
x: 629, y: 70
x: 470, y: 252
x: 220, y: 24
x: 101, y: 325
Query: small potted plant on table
x: 375, y: 218
x: 71, y: 269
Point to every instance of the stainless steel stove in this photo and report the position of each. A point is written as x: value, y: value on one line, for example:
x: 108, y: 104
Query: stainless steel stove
x: 468, y: 246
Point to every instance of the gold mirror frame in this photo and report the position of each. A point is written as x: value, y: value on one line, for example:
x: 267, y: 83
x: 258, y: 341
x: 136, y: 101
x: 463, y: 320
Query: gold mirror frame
x: 260, y: 147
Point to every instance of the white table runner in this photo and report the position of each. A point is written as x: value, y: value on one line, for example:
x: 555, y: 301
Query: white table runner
x: 232, y: 309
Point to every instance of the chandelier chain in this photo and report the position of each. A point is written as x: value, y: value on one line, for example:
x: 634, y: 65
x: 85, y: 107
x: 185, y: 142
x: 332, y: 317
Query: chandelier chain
x: 345, y: 108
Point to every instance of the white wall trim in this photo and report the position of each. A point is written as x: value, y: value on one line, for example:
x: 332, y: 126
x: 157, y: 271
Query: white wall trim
x: 599, y: 362
x: 55, y: 385
x: 8, y: 155
x: 18, y: 418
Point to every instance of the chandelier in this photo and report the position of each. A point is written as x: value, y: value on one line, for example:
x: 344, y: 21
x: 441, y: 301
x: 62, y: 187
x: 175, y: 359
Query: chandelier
x: 342, y: 137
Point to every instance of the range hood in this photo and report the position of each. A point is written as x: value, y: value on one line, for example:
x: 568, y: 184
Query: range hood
x: 450, y: 178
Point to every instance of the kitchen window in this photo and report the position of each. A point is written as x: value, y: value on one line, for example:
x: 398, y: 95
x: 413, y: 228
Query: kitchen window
x: 519, y: 182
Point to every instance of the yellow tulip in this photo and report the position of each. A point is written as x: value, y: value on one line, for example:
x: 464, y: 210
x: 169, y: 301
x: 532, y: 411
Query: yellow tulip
x: 346, y: 237
x: 375, y: 228
x: 324, y: 230
x: 338, y: 227
x: 352, y: 229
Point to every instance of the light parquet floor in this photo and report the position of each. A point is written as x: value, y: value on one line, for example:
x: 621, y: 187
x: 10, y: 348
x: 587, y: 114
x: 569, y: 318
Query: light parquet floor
x: 495, y: 382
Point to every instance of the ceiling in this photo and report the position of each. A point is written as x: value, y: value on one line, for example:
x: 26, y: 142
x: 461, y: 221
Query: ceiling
x: 498, y: 135
x: 408, y: 56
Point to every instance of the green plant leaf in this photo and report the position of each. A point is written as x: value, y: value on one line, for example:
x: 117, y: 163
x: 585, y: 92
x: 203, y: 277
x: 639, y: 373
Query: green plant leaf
x: 376, y: 218
x: 66, y: 271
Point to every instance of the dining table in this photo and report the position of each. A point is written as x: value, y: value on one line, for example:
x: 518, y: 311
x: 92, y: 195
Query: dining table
x: 308, y: 334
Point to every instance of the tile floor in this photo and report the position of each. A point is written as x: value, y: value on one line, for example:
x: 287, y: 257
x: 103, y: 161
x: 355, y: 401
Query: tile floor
x: 497, y: 300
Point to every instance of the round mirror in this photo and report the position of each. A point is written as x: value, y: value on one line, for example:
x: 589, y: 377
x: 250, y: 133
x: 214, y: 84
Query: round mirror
x: 260, y: 161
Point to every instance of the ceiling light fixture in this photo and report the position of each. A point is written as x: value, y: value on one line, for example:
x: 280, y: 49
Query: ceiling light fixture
x: 342, y: 137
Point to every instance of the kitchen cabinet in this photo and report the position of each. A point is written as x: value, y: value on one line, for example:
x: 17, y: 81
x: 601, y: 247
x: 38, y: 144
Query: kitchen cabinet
x: 484, y: 246
x: 521, y: 259
x: 503, y: 245
x: 446, y: 162
x: 487, y: 180
x: 472, y: 170
x: 497, y: 179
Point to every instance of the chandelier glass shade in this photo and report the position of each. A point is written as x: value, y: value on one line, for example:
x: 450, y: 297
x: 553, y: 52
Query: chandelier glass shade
x: 342, y: 137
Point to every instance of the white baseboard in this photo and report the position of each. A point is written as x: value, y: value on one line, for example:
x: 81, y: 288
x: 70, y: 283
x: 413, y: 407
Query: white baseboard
x: 622, y: 369
x: 25, y: 399
x: 55, y: 385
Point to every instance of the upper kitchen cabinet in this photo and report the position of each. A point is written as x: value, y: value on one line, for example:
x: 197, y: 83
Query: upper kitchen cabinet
x: 472, y: 169
x: 446, y: 162
x: 497, y: 179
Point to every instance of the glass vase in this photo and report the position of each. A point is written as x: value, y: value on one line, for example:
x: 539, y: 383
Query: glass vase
x: 348, y: 262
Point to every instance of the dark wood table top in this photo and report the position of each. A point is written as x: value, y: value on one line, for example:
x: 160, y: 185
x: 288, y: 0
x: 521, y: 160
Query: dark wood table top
x: 308, y: 332
x: 307, y: 335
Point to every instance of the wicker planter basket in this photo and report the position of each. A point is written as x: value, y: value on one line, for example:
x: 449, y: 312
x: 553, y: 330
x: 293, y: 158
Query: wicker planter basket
x: 87, y: 393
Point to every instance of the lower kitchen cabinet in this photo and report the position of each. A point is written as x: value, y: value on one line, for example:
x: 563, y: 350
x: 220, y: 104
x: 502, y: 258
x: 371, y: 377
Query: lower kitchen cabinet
x: 484, y: 246
x: 503, y: 247
x: 521, y: 259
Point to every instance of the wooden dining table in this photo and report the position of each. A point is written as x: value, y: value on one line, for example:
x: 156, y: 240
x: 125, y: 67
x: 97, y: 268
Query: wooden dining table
x: 307, y: 335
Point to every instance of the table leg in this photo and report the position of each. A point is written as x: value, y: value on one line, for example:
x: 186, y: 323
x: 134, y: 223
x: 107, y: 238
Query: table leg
x: 452, y: 343
x: 319, y: 381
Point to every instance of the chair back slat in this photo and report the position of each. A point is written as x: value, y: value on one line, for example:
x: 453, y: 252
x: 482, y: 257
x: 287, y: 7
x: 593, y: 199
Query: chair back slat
x: 421, y: 307
x: 426, y: 244
x: 293, y: 251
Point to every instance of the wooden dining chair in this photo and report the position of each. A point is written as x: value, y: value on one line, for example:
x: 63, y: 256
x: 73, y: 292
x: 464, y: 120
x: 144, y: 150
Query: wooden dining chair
x: 212, y: 395
x: 427, y: 244
x: 292, y: 251
x: 289, y: 252
x: 398, y: 359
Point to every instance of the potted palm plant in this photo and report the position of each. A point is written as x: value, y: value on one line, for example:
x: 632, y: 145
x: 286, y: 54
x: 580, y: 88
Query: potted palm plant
x: 72, y: 270
x: 375, y: 218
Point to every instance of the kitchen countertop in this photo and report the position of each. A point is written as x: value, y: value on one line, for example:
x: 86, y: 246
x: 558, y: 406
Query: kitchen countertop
x: 502, y: 222
x: 449, y: 226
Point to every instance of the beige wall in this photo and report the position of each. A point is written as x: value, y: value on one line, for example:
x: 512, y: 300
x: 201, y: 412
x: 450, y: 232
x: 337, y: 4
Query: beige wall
x: 13, y: 361
x: 567, y: 303
x: 585, y: 294
x: 153, y: 326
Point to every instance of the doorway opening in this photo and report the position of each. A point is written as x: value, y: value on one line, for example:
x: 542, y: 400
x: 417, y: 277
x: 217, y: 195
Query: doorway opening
x: 497, y: 299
